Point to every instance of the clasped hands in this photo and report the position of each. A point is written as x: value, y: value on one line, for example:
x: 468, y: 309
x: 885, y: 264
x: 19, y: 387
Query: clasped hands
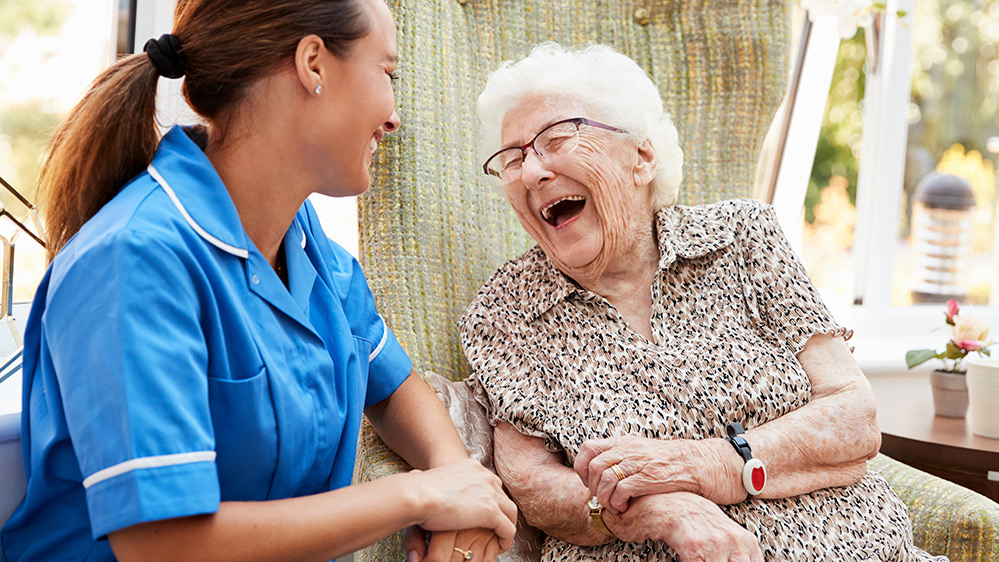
x: 667, y: 490
x: 478, y: 526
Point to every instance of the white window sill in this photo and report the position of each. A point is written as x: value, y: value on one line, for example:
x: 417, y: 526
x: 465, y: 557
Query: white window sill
x: 882, y: 336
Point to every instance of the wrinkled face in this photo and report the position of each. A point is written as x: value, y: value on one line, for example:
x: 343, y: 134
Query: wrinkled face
x: 359, y: 104
x: 585, y: 208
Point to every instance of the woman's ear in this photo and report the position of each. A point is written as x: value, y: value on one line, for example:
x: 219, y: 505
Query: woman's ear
x: 645, y: 163
x: 307, y: 63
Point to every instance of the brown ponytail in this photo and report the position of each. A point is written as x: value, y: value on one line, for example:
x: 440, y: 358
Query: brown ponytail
x: 109, y: 137
x: 227, y: 45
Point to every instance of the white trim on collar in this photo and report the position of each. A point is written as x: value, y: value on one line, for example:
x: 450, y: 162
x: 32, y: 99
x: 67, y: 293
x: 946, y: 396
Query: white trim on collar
x: 239, y: 252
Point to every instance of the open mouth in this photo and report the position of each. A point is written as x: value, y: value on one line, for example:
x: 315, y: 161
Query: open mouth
x: 564, y: 209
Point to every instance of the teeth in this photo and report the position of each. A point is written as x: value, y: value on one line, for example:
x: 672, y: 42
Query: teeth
x: 372, y: 145
x: 546, y: 212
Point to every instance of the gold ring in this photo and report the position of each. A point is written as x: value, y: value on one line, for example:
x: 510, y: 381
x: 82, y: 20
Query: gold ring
x: 466, y: 554
x: 618, y: 472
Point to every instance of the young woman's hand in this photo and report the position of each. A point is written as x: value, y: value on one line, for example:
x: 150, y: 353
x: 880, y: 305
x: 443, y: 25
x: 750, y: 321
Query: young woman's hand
x: 465, y: 495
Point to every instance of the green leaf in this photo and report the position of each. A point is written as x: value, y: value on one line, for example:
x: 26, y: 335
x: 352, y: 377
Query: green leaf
x: 879, y: 4
x: 919, y: 356
x: 901, y: 13
x: 954, y: 352
x: 986, y: 352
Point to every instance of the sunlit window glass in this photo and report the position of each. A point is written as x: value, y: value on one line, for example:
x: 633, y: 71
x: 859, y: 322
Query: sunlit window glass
x: 830, y: 201
x: 947, y: 235
x: 50, y: 50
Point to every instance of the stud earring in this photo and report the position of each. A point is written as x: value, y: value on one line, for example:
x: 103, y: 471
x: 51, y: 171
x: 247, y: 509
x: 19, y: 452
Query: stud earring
x: 319, y: 89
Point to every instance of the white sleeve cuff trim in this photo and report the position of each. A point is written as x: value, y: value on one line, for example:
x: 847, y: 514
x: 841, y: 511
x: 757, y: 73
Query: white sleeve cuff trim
x: 381, y: 344
x: 147, y: 462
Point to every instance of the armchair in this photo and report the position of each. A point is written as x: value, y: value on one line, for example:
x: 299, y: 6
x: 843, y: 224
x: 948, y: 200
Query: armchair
x: 431, y: 230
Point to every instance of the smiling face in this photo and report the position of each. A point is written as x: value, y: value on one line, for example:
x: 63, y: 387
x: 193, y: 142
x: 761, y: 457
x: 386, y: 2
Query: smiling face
x: 358, y: 104
x: 588, y: 209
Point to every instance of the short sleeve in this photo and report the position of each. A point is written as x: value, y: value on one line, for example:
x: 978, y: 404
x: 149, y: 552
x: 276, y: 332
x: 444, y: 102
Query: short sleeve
x: 786, y: 304
x: 506, y: 379
x: 125, y: 341
x: 388, y: 364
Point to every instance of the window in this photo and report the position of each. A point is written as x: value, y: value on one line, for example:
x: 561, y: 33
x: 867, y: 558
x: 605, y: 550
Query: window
x: 51, y: 50
x: 947, y: 247
x: 931, y: 105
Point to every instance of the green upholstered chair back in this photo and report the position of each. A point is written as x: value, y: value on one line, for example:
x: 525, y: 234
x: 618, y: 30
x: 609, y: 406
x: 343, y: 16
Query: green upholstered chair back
x: 432, y: 228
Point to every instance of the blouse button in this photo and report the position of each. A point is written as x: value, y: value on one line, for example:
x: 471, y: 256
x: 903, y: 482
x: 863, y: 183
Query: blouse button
x: 768, y: 520
x: 255, y: 279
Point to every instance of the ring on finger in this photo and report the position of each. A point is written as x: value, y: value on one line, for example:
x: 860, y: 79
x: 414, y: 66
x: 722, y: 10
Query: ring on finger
x: 466, y: 554
x: 618, y: 472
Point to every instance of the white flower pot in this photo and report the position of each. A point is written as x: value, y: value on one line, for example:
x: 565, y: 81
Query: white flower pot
x: 983, y: 393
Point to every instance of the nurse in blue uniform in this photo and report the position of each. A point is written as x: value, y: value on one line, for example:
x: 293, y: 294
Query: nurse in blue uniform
x: 199, y: 354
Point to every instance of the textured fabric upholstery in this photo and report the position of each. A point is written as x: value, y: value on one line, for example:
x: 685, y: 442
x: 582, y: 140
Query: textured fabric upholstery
x: 946, y: 518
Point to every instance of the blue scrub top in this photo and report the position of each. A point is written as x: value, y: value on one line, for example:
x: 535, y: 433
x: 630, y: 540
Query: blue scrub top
x: 168, y: 368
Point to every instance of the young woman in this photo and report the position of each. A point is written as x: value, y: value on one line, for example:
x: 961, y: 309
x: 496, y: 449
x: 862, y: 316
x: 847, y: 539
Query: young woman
x: 199, y: 354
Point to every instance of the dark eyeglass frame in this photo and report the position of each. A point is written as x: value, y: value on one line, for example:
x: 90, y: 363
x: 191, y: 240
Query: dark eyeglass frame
x: 577, y: 121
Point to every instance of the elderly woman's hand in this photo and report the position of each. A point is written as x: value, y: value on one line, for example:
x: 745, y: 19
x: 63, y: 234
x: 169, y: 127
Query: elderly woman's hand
x: 694, y: 527
x: 619, y: 469
x: 449, y: 546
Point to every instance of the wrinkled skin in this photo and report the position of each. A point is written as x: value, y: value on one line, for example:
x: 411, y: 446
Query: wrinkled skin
x: 601, y: 246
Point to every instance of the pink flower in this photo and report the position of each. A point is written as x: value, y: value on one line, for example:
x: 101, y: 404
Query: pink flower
x: 971, y: 345
x: 952, y: 308
x: 969, y: 333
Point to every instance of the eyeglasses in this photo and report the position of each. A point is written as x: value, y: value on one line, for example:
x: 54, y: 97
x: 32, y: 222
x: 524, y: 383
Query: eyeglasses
x: 561, y: 137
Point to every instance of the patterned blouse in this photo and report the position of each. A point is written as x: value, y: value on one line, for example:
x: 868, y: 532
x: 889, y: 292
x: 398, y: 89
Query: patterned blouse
x: 732, y: 306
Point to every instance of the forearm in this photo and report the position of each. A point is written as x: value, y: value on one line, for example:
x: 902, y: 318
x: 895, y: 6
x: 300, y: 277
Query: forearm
x: 317, y: 527
x: 812, y: 449
x: 555, y: 502
x: 414, y: 424
x: 824, y: 443
x: 549, y: 495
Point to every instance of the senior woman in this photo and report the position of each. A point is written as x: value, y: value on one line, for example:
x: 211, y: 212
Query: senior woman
x: 622, y: 358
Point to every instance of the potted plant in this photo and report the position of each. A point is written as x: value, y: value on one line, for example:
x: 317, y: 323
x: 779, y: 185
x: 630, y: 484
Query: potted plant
x: 950, y: 388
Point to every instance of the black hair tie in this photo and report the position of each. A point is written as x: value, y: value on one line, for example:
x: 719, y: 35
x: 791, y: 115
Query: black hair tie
x: 166, y: 55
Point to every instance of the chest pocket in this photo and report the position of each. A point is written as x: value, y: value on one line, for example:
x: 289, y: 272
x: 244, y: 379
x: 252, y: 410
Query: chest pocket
x: 245, y: 435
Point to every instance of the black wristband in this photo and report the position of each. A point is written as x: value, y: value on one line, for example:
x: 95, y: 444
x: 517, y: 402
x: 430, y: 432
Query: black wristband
x: 754, y: 474
x: 742, y: 447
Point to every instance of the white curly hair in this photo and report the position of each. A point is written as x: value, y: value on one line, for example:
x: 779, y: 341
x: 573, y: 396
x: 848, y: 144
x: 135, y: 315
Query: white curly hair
x: 602, y: 78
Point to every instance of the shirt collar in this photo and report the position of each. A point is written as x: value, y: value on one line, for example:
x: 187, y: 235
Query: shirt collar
x: 692, y: 232
x: 185, y: 173
x: 684, y: 232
